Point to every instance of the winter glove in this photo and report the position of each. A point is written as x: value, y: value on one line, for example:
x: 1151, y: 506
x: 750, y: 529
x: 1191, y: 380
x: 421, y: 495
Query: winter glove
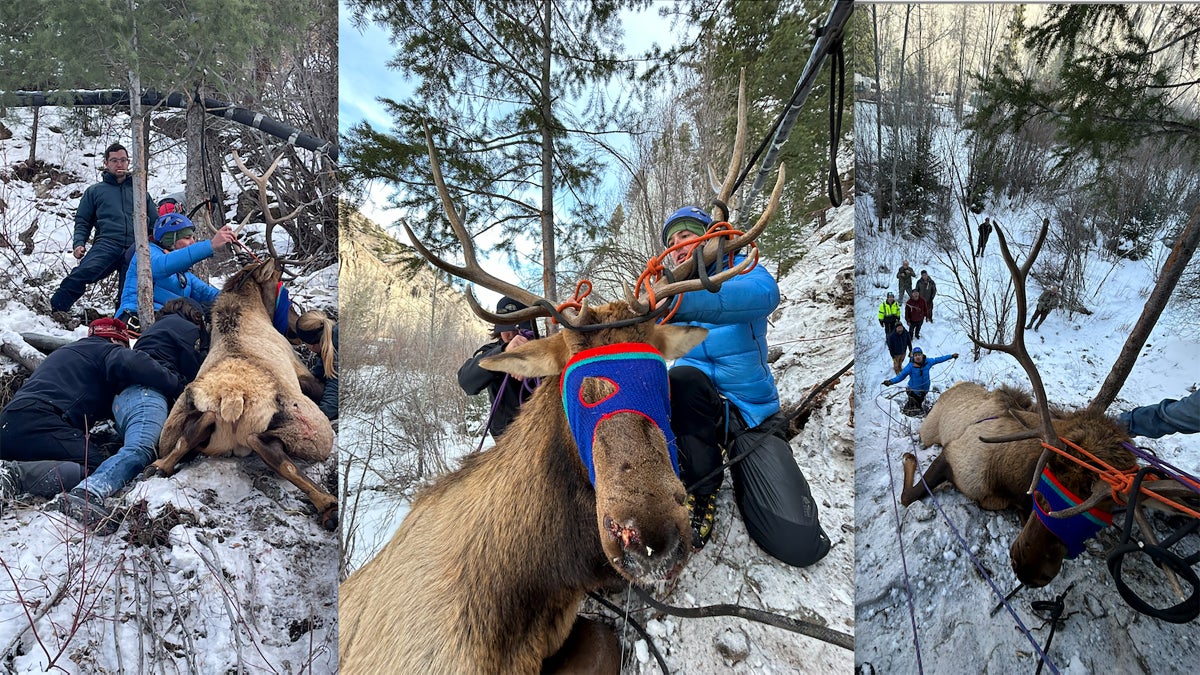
x: 954, y: 356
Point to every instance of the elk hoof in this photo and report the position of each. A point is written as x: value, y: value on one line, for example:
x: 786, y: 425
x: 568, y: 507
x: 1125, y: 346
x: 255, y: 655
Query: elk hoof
x: 329, y: 518
x: 152, y: 471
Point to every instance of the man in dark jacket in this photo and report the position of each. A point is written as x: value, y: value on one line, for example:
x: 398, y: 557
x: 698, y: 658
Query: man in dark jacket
x: 915, y: 310
x: 43, y: 430
x: 928, y: 289
x: 178, y: 341
x: 505, y: 392
x: 985, y: 230
x: 722, y: 393
x: 107, y: 208
x: 899, y: 345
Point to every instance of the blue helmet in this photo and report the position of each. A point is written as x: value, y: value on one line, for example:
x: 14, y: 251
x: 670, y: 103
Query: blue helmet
x: 917, y: 350
x: 171, y: 222
x: 686, y: 218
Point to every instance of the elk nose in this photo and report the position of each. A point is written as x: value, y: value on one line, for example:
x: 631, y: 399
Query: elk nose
x: 627, y: 535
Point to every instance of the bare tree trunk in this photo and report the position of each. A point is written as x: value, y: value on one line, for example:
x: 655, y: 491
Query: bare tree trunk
x: 878, y: 122
x: 141, y: 238
x: 896, y: 106
x: 1181, y: 255
x: 33, y: 135
x: 959, y: 93
x: 549, y: 276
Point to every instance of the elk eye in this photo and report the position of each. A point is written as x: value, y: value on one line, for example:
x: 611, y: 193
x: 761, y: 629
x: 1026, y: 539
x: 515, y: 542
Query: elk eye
x: 596, y: 390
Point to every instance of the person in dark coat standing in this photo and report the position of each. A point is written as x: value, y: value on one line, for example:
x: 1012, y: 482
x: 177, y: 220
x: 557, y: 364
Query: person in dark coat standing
x: 506, y: 392
x: 106, y: 208
x: 906, y: 275
x: 179, y: 342
x: 985, y: 231
x: 43, y: 430
x: 899, y: 344
x: 928, y: 289
x: 914, y: 313
x: 1046, y: 303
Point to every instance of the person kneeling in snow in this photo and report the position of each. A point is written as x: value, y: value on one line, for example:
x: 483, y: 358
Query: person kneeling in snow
x: 722, y: 393
x: 320, y: 334
x: 44, y: 442
x: 179, y: 342
x: 917, y: 372
x: 172, y: 253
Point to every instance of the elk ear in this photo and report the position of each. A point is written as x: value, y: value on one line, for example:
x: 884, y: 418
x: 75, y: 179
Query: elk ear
x: 536, y: 358
x: 675, y: 341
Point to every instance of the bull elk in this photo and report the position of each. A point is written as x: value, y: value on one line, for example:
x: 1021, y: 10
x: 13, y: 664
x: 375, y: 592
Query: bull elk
x: 488, y: 569
x: 252, y: 394
x: 993, y: 452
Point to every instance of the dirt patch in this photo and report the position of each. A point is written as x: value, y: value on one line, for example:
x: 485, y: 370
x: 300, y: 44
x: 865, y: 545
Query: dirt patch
x: 39, y: 171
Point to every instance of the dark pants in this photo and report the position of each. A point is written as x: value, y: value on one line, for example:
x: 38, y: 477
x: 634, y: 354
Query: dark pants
x: 52, y: 454
x: 916, y: 399
x: 889, y: 325
x: 1040, y: 317
x: 915, y: 328
x: 769, y: 488
x: 104, y: 258
x: 982, y: 245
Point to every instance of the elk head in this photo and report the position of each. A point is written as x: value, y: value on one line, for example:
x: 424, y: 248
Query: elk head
x: 609, y: 368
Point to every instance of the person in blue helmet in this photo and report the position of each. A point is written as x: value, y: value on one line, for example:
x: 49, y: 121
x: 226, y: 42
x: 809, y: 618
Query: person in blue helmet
x: 917, y: 372
x: 105, y: 213
x: 723, y: 394
x: 172, y: 253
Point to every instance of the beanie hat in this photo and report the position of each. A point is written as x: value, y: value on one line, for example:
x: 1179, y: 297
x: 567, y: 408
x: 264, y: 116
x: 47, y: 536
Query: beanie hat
x: 109, y: 329
x: 507, y: 305
x: 689, y: 218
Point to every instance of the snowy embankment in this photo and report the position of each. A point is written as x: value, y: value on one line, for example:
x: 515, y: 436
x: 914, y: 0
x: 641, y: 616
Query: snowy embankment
x: 915, y: 548
x: 813, y: 332
x: 219, y: 568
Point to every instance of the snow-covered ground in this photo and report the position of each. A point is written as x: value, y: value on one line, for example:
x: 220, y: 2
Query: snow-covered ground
x: 220, y: 568
x: 950, y: 626
x: 813, y: 331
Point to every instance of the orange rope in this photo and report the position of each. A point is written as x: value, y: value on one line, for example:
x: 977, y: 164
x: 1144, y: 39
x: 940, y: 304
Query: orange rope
x: 1120, y: 481
x: 582, y: 290
x: 655, y: 269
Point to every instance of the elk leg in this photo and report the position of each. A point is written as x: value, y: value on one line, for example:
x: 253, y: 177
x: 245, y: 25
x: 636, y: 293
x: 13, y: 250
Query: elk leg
x: 310, y: 386
x: 937, y: 473
x: 190, y: 432
x: 272, y: 452
x: 591, y: 647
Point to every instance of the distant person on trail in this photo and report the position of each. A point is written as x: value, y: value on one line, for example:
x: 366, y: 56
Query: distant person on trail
x: 889, y: 314
x: 106, y: 208
x: 172, y: 253
x: 917, y: 372
x: 899, y: 345
x: 722, y: 394
x: 44, y: 442
x: 1165, y: 417
x: 985, y: 230
x: 928, y: 289
x: 914, y: 313
x: 1046, y: 303
x: 178, y: 342
x: 320, y: 334
x: 505, y: 392
x: 906, y: 275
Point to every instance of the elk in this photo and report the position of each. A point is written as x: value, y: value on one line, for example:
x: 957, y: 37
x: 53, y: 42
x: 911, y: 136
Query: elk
x: 487, y: 571
x: 993, y: 452
x: 252, y: 394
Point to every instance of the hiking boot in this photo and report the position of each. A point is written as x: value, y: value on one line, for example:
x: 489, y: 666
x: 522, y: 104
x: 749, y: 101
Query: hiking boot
x: 88, y: 509
x: 65, y: 319
x: 702, y: 511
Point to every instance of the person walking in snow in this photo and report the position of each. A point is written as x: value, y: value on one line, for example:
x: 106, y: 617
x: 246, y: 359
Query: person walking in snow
x: 722, y: 393
x: 889, y: 314
x: 917, y: 372
x: 899, y: 344
x: 928, y: 289
x: 914, y: 313
x: 1046, y: 303
x: 107, y: 209
x: 906, y: 275
x: 985, y: 230
x: 1165, y: 417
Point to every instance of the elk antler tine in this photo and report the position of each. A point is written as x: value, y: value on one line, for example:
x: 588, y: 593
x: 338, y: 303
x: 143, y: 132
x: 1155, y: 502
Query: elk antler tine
x: 739, y: 144
x: 1037, y: 471
x: 1018, y: 436
x: 1148, y: 532
x: 1099, y: 492
x: 763, y: 220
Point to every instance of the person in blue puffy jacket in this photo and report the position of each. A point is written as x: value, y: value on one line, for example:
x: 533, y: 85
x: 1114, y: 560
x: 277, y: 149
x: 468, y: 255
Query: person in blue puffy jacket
x: 1165, y: 417
x: 917, y: 372
x: 723, y: 394
x: 172, y: 253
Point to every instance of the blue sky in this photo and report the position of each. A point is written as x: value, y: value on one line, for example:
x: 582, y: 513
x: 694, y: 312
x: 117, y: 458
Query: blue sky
x: 364, y: 77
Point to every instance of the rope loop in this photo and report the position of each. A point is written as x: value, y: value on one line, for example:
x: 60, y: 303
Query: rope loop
x: 656, y: 268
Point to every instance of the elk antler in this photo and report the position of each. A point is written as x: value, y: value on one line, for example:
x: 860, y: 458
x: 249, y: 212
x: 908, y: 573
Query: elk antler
x: 1016, y: 348
x: 536, y: 306
x: 699, y: 261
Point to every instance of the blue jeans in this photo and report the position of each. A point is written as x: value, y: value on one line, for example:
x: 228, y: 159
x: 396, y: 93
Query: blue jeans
x: 140, y: 413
